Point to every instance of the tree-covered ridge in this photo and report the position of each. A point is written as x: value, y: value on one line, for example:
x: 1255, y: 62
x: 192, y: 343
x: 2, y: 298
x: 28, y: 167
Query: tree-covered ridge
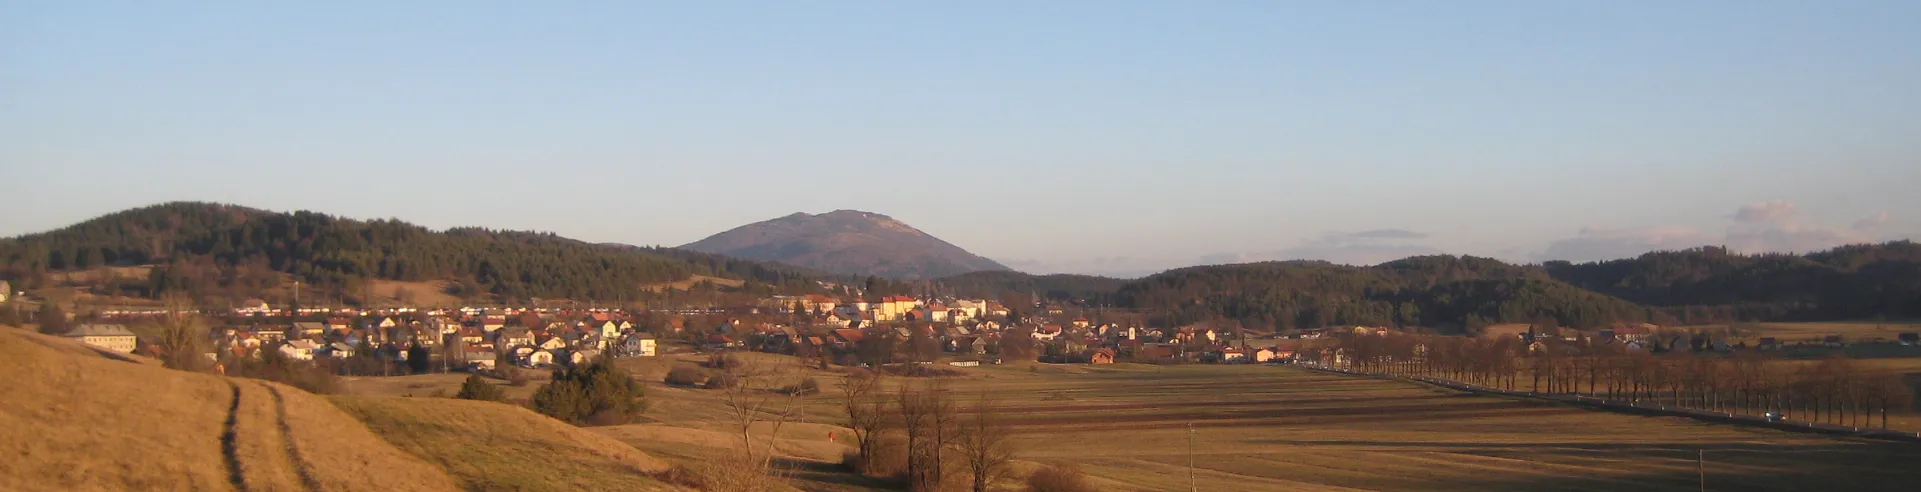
x: 1056, y: 287
x: 1848, y: 282
x: 135, y: 236
x: 1431, y: 291
x: 203, y: 246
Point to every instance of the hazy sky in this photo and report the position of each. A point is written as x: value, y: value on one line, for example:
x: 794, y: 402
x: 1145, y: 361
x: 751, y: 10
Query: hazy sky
x: 1096, y: 136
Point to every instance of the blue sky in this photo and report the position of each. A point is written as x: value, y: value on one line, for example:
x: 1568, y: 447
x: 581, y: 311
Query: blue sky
x: 1097, y: 136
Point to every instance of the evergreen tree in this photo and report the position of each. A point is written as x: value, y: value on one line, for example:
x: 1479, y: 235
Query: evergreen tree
x: 476, y: 388
x: 53, y: 321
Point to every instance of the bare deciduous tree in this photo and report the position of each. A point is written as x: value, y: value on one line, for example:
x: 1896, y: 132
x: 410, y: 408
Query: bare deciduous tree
x: 756, y: 399
x: 984, y: 442
x: 866, y: 415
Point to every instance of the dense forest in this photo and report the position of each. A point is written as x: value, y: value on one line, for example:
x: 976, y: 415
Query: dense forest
x: 1850, y: 282
x: 1084, y: 289
x: 1433, y: 291
x: 201, y: 247
x: 1697, y: 286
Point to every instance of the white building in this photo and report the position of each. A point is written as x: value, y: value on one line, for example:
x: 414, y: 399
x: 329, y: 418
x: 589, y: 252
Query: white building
x: 298, y: 349
x: 106, y: 337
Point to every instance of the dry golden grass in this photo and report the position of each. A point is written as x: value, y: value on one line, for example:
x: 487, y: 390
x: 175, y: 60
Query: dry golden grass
x: 1282, y: 428
x: 494, y: 446
x: 691, y: 282
x: 101, y: 273
x: 72, y: 419
x: 429, y: 293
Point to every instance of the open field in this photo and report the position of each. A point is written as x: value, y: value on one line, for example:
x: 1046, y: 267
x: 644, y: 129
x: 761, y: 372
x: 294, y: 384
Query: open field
x: 690, y: 283
x: 494, y: 446
x: 1277, y: 428
x: 1282, y: 428
x: 1854, y: 331
x: 75, y: 419
x: 429, y: 293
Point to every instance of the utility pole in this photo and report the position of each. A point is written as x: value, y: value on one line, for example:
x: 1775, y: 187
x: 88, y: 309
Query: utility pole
x: 1190, y: 459
x: 1700, y: 456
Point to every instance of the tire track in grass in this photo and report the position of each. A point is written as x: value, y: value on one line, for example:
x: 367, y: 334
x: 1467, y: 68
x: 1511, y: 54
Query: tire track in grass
x: 286, y: 433
x: 230, y: 441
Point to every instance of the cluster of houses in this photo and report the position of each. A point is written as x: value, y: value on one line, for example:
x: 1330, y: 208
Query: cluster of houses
x: 472, y: 338
x: 974, y: 330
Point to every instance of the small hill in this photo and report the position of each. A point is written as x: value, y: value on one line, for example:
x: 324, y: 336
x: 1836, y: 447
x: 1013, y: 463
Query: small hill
x: 209, y: 249
x: 72, y: 418
x: 494, y: 446
x: 848, y: 242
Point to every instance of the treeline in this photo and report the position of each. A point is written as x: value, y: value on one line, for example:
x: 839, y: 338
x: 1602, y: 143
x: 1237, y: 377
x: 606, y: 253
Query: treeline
x: 1712, y: 284
x: 1087, y: 289
x: 203, y: 247
x: 1698, y: 286
x: 1833, y: 390
x: 1433, y: 291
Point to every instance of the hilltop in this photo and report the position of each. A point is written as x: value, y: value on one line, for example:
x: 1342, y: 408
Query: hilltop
x: 847, y: 242
x: 215, y: 249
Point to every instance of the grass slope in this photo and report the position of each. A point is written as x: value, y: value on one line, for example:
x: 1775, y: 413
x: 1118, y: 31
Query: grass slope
x: 493, y: 446
x: 74, y: 419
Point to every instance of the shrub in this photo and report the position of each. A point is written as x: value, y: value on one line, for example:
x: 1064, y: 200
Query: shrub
x: 722, y: 361
x: 595, y: 393
x: 889, y: 460
x: 516, y: 378
x: 476, y: 388
x: 804, y: 387
x: 722, y: 381
x: 685, y: 376
x: 1059, y: 478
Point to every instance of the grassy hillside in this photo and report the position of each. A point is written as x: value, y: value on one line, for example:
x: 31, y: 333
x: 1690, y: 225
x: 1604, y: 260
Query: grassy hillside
x: 73, y: 419
x: 494, y: 446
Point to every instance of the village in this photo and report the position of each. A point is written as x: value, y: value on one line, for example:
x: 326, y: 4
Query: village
x: 886, y: 330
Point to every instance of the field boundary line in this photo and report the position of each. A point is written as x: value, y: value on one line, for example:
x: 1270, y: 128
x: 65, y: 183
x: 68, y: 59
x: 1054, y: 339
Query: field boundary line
x: 1586, y: 402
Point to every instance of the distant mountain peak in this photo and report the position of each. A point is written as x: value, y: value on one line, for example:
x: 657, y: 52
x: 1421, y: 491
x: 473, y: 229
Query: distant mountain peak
x: 847, y: 241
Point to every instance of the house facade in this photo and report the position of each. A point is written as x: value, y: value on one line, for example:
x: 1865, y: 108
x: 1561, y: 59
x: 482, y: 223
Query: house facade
x: 106, y: 337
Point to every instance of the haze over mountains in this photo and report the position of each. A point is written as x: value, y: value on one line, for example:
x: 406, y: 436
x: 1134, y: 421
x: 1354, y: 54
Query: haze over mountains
x: 848, y: 242
x: 212, y: 252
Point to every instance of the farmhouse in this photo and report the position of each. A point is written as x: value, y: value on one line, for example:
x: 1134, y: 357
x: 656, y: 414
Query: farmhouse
x: 639, y: 345
x: 1101, y: 356
x: 298, y: 349
x: 107, y: 337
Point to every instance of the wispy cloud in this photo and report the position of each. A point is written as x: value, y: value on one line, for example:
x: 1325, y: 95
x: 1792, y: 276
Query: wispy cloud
x: 1352, y: 248
x: 1768, y: 211
x: 1771, y: 226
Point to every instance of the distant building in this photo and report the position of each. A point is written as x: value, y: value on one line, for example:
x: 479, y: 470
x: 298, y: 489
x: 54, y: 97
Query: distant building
x: 107, y: 337
x: 299, y: 349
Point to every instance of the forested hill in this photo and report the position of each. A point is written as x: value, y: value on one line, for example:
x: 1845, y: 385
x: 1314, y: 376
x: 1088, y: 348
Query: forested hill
x: 1714, y: 285
x: 1085, y: 289
x: 1698, y: 286
x: 202, y: 247
x: 1435, y: 291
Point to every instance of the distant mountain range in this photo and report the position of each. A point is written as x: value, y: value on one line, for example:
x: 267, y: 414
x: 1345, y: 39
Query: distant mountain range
x: 848, y: 242
x: 227, y: 251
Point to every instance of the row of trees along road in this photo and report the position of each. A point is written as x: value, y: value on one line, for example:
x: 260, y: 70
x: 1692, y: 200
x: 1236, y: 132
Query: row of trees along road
x: 1835, y: 390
